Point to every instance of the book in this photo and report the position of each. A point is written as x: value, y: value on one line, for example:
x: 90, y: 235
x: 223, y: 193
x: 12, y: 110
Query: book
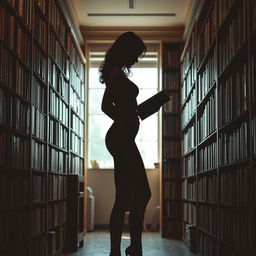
x: 153, y: 104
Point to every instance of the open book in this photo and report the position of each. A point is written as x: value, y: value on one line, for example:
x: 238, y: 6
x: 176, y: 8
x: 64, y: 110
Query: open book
x: 153, y: 104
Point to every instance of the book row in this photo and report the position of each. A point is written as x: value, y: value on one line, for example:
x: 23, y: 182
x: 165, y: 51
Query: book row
x: 40, y: 63
x: 38, y: 220
x: 76, y: 165
x: 13, y: 151
x: 206, y: 77
x: 188, y: 142
x: 171, y: 170
x: 40, y: 30
x: 254, y: 135
x: 172, y: 228
x: 13, y: 228
x: 76, y: 60
x: 56, y: 214
x: 171, y: 80
x: 171, y: 125
x: 207, y: 157
x: 208, y: 218
x: 38, y: 97
x: 253, y: 88
x: 171, y: 190
x: 76, y: 103
x: 235, y: 187
x: 206, y: 123
x: 207, y: 246
x: 172, y: 209
x: 77, y: 83
x: 57, y: 187
x: 16, y: 79
x: 58, y: 107
x: 173, y: 105
x: 171, y: 149
x: 58, y: 161
x: 189, y: 212
x: 58, y: 23
x: 76, y: 144
x: 38, y: 156
x: 237, y: 229
x: 38, y: 190
x: 23, y: 9
x: 224, y: 7
x: 76, y: 124
x: 189, y: 190
x: 189, y: 165
x: 189, y: 80
x: 58, y: 54
x: 14, y: 112
x: 15, y: 37
x: 234, y: 37
x: 233, y: 96
x: 171, y: 58
x: 58, y: 81
x: 189, y: 108
x: 42, y: 5
x: 58, y: 134
x: 189, y: 53
x: 208, y: 33
x: 18, y: 191
x: 254, y: 15
x: 207, y: 188
x: 38, y: 125
x: 233, y: 145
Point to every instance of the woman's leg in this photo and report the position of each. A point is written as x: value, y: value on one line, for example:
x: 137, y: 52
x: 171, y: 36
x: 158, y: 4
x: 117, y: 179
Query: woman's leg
x: 142, y: 195
x: 123, y: 197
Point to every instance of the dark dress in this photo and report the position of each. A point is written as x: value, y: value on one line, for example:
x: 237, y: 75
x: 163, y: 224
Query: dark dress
x: 132, y: 188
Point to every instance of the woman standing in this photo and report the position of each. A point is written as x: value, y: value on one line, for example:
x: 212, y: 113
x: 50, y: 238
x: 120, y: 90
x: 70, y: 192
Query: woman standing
x: 119, y: 103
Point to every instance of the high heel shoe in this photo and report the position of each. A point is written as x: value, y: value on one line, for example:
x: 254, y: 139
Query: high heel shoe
x: 129, y: 251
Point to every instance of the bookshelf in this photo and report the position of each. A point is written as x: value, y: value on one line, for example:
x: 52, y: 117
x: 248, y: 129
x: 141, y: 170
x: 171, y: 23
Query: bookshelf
x: 171, y: 125
x: 218, y: 129
x: 42, y: 125
x: 75, y: 213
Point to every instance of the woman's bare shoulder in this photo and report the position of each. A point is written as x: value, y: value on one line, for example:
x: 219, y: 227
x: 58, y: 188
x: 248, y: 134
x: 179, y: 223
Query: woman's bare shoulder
x: 114, y: 74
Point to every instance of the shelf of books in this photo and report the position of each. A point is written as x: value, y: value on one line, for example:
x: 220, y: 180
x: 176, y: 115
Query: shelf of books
x: 41, y: 124
x: 171, y: 167
x: 218, y: 130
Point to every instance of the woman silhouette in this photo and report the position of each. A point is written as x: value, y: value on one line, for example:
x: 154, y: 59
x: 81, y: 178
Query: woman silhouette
x: 119, y: 103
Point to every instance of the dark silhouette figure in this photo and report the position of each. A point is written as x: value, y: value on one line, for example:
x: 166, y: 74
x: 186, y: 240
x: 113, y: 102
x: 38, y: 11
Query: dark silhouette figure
x: 119, y: 103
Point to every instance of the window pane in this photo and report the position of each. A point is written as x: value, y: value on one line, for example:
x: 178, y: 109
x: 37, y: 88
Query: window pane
x: 148, y: 129
x: 98, y: 127
x: 149, y: 152
x: 98, y: 151
x: 145, y: 77
x: 95, y: 98
x: 94, y: 78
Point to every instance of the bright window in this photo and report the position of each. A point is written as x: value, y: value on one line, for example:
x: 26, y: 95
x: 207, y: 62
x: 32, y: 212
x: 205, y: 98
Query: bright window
x: 145, y: 76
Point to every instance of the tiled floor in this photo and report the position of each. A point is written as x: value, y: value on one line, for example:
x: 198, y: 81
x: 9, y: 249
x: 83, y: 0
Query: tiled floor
x: 97, y: 244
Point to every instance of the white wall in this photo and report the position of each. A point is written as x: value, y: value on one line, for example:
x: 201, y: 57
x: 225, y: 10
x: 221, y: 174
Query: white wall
x: 102, y: 184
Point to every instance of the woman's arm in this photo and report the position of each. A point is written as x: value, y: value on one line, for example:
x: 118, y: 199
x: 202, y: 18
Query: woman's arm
x: 107, y: 105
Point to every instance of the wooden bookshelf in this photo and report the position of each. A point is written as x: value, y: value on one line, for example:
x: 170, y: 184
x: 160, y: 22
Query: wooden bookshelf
x: 218, y: 129
x: 41, y: 123
x: 171, y: 162
x: 75, y: 213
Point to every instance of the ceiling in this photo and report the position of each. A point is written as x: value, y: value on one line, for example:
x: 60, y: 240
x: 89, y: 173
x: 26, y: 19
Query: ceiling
x: 116, y: 13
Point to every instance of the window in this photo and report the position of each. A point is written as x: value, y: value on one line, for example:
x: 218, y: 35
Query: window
x: 145, y: 74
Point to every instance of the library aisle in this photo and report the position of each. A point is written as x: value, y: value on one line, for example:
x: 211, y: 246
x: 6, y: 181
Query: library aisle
x: 97, y: 243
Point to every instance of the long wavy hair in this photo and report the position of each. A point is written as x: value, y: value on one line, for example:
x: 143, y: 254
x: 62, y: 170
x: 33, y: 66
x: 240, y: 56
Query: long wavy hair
x: 126, y: 45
